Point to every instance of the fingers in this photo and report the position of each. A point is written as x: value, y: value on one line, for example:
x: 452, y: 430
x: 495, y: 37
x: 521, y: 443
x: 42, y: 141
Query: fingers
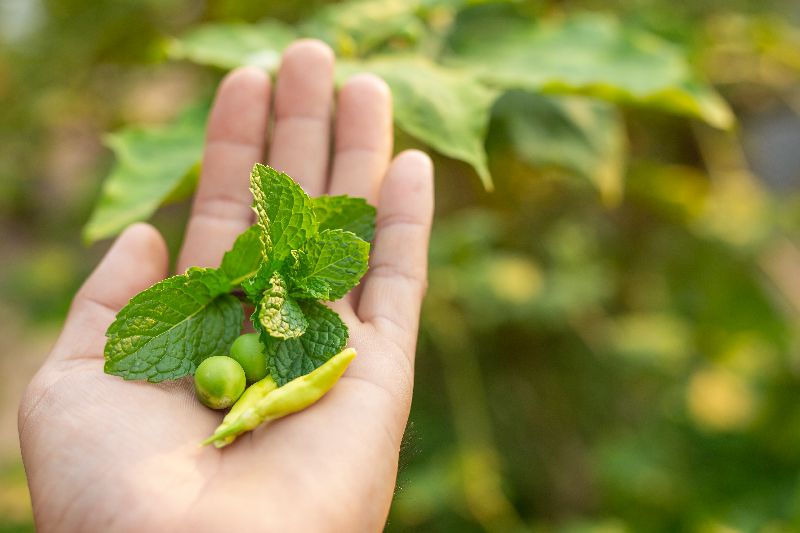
x: 303, y: 100
x: 137, y: 260
x: 363, y: 137
x: 397, y: 277
x: 235, y: 141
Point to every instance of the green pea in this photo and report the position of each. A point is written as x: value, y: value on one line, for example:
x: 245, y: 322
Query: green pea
x: 219, y: 381
x: 248, y: 351
x: 263, y: 402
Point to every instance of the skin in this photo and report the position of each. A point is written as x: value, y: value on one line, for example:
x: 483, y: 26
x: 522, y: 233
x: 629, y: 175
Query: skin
x: 103, y: 454
x: 219, y: 381
x: 249, y: 352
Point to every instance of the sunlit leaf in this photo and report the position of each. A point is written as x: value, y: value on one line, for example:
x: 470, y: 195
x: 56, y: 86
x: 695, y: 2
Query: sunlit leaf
x: 153, y: 165
x: 355, y: 28
x: 577, y: 135
x: 445, y: 108
x: 588, y: 54
x: 230, y: 45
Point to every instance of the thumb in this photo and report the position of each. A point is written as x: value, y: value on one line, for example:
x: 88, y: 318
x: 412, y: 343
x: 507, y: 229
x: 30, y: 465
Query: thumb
x: 136, y: 260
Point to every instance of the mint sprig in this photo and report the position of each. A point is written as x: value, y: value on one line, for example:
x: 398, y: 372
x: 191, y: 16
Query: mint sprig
x: 299, y: 251
x: 165, y: 331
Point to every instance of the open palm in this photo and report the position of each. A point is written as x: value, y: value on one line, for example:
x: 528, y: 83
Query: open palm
x: 103, y: 454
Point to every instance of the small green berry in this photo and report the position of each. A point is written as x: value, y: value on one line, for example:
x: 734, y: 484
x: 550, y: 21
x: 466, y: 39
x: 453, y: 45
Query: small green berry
x: 219, y: 381
x: 248, y: 351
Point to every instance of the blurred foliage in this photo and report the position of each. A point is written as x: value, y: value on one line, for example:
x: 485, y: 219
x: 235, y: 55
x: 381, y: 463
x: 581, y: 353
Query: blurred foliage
x: 153, y: 166
x: 446, y: 64
x: 609, y: 342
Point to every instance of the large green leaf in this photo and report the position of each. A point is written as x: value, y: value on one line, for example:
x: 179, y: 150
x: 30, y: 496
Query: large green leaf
x: 230, y: 45
x: 356, y: 28
x: 285, y: 214
x: 153, y: 165
x: 347, y: 213
x: 335, y: 259
x: 446, y: 108
x: 588, y: 54
x: 165, y: 331
x: 572, y: 134
x: 325, y: 336
x: 244, y: 258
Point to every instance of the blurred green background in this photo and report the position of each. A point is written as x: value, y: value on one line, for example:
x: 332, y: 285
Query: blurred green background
x: 610, y: 340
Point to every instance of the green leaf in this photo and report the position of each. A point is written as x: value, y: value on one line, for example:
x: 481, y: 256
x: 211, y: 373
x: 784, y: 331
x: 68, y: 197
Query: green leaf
x: 278, y: 314
x: 358, y: 27
x: 576, y: 135
x: 347, y: 213
x: 446, y: 108
x: 243, y: 260
x: 314, y: 288
x: 325, y: 336
x: 285, y: 213
x: 153, y: 164
x: 230, y: 45
x: 336, y: 257
x: 589, y: 54
x: 167, y: 330
x: 254, y: 286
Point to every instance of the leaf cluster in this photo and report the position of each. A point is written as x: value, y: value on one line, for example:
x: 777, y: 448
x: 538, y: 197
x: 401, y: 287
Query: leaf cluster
x: 456, y: 70
x: 301, y: 250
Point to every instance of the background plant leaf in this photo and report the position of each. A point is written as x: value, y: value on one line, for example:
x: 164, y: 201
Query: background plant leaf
x: 234, y: 44
x: 575, y: 135
x: 356, y: 28
x: 444, y: 108
x: 153, y: 164
x: 589, y: 54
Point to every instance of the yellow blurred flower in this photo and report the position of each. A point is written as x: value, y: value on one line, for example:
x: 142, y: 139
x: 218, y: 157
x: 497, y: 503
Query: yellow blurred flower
x: 514, y: 279
x: 720, y: 400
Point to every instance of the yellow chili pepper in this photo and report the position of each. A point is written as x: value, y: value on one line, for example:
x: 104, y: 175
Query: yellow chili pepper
x: 263, y: 402
x: 243, y: 409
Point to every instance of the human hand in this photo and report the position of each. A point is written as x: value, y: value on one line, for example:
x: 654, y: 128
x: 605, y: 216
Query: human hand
x: 103, y: 454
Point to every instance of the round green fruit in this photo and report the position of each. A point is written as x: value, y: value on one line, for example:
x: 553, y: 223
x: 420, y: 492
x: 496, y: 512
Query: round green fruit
x: 248, y: 351
x: 219, y: 381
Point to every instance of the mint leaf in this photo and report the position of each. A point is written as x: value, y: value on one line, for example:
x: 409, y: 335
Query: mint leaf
x: 314, y: 288
x: 244, y: 258
x: 278, y: 314
x: 255, y: 286
x: 165, y: 331
x: 325, y: 336
x: 285, y: 213
x: 347, y: 213
x: 336, y: 257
